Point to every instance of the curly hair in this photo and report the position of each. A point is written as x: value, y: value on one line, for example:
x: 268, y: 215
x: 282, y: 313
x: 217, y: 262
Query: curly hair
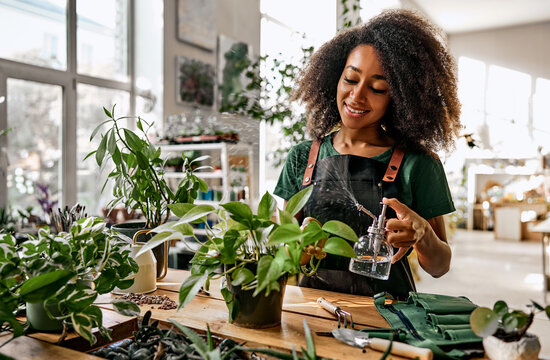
x: 424, y: 110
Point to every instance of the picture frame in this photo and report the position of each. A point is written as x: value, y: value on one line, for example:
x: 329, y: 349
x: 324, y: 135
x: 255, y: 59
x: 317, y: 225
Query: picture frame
x: 234, y: 58
x: 195, y: 83
x: 197, y: 23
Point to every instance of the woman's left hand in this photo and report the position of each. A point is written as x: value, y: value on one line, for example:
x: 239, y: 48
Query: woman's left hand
x: 406, y: 230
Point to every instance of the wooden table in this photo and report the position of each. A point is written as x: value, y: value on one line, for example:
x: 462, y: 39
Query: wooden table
x: 299, y: 303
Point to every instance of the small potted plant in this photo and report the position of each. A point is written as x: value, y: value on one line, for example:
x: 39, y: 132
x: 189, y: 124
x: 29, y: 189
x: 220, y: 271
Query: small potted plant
x: 138, y: 177
x: 58, y: 277
x: 504, y: 331
x: 253, y: 253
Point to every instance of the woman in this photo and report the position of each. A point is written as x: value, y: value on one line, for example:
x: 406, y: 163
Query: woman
x: 388, y: 87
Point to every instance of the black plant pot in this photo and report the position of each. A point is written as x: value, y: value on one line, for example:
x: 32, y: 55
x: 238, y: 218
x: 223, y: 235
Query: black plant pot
x: 161, y: 252
x: 259, y: 311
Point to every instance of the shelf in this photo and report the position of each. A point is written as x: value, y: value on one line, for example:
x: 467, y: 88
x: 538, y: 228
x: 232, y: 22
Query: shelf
x: 202, y: 175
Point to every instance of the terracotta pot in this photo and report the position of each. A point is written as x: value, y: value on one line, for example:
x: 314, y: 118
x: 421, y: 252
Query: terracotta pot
x: 260, y: 311
x: 527, y: 348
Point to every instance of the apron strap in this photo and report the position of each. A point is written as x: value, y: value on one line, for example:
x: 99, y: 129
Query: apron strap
x: 313, y: 152
x: 393, y: 166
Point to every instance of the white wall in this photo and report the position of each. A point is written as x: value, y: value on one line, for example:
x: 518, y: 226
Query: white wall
x: 523, y: 48
x: 236, y: 19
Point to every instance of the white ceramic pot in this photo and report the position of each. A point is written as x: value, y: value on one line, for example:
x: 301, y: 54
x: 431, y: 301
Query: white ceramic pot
x: 527, y: 348
x: 146, y: 278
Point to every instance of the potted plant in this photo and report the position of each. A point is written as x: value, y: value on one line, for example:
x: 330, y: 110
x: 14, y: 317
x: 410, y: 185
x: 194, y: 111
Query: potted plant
x: 253, y: 252
x: 504, y: 331
x: 59, y: 277
x: 138, y: 177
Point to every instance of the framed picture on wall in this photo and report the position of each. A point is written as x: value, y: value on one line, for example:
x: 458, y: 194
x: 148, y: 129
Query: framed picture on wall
x: 234, y: 58
x: 197, y: 23
x: 195, y: 82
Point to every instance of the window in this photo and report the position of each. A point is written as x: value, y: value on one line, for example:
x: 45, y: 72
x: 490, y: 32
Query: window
x: 41, y: 44
x: 34, y: 143
x: 91, y: 100
x: 55, y: 91
x: 541, y: 112
x: 283, y: 35
x: 471, y: 92
x: 102, y: 38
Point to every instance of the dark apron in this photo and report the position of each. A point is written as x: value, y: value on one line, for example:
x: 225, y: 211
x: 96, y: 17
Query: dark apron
x: 337, y: 180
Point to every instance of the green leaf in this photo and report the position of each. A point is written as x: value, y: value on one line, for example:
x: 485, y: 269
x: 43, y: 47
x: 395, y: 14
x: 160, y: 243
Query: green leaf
x: 537, y: 305
x: 239, y: 211
x: 107, y: 112
x: 7, y: 316
x: 134, y: 142
x: 111, y: 143
x: 190, y: 287
x: 267, y: 206
x: 196, y: 212
x: 125, y: 307
x: 286, y: 218
x: 286, y: 233
x: 510, y: 322
x: 43, y: 286
x: 100, y: 153
x: 312, y: 233
x: 298, y: 201
x: 484, y: 321
x: 142, y: 161
x: 340, y: 229
x: 500, y: 308
x: 230, y: 302
x: 181, y: 209
x: 310, y: 344
x: 198, y: 342
x: 203, y: 186
x: 97, y: 128
x: 158, y: 239
x: 341, y: 247
x: 200, y: 158
x: 241, y: 276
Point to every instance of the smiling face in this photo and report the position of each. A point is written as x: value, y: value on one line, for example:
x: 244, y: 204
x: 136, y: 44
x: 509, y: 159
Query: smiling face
x: 363, y: 94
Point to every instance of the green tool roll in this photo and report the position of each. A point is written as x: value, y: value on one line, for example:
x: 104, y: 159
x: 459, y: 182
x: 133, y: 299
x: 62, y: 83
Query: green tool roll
x: 438, y: 322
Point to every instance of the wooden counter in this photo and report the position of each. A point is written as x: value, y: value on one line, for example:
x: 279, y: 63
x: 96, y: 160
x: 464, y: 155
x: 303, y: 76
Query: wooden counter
x: 299, y: 303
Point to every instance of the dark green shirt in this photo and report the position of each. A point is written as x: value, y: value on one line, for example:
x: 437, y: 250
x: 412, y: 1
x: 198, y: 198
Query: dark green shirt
x: 423, y: 185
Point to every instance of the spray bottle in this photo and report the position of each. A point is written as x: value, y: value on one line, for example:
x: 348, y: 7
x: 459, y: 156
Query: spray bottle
x: 374, y: 253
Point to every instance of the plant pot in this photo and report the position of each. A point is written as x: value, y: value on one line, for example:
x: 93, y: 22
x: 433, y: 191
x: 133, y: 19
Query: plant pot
x: 145, y: 280
x: 260, y: 311
x: 38, y: 317
x: 527, y: 348
x: 161, y: 252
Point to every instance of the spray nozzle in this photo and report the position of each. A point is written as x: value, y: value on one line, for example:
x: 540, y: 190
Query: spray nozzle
x: 363, y: 209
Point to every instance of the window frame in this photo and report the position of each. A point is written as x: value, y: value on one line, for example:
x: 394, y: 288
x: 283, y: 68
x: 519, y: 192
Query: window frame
x: 68, y: 80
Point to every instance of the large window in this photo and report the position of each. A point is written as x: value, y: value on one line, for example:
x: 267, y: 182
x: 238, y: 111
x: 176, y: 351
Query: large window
x: 102, y: 38
x: 35, y: 140
x: 45, y: 44
x: 64, y: 61
x: 91, y: 100
x: 508, y: 119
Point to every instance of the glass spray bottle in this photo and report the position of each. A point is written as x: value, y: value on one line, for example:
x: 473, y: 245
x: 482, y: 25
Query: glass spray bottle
x: 374, y: 253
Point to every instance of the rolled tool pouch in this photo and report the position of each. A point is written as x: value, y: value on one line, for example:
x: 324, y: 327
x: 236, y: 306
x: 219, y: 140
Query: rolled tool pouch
x: 438, y: 322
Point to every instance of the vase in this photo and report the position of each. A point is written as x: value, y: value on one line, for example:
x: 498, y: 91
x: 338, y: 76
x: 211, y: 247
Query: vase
x: 38, y: 317
x: 257, y: 312
x: 526, y: 348
x: 145, y: 279
x: 161, y: 252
